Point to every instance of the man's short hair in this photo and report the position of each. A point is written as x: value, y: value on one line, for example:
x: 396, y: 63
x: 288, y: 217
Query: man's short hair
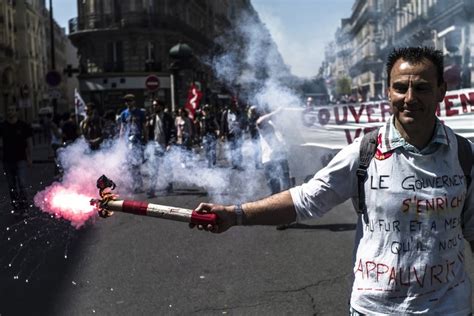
x: 158, y: 102
x: 416, y: 55
x: 129, y: 97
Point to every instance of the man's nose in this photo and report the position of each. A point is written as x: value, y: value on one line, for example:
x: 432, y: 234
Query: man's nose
x: 410, y: 96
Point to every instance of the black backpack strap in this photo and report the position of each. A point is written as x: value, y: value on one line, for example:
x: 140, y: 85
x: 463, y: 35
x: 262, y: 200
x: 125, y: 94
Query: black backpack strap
x: 465, y: 158
x: 466, y: 161
x: 368, y: 146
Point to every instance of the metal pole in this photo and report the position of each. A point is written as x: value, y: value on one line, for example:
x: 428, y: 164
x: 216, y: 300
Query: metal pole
x: 54, y: 101
x: 173, y: 101
x: 51, y: 32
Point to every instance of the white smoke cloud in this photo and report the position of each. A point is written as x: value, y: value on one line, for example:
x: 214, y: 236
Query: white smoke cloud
x: 249, y: 60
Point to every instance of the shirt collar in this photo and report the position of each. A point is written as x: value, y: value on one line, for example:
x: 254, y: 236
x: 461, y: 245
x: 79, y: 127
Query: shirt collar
x: 390, y: 138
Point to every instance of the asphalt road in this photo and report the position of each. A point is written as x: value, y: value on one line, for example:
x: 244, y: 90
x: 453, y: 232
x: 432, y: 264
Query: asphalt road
x: 131, y: 265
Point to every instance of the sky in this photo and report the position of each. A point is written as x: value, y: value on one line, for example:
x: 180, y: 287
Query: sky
x: 300, y: 28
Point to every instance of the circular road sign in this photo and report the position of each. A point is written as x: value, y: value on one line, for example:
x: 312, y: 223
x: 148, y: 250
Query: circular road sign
x: 152, y: 83
x: 53, y: 78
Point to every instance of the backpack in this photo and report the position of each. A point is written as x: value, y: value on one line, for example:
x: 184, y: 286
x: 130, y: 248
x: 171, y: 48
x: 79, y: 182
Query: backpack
x: 367, y: 150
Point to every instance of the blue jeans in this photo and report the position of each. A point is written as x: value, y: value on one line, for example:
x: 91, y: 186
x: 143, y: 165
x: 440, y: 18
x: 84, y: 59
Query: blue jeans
x: 209, y: 144
x: 235, y: 144
x: 15, y: 173
x: 277, y: 174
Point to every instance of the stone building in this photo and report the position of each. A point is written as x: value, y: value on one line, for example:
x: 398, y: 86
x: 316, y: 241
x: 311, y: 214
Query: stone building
x: 7, y: 55
x: 25, y: 56
x: 377, y: 26
x: 121, y: 43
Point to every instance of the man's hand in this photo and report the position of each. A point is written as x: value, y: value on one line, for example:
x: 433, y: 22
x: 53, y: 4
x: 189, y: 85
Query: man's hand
x: 225, y: 217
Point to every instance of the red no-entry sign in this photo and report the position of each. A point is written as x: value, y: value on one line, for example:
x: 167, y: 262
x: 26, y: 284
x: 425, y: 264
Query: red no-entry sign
x: 152, y: 83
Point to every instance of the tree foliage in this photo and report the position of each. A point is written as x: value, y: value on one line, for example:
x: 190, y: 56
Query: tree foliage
x: 343, y: 86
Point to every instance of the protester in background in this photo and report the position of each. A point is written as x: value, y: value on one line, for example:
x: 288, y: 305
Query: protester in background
x: 184, y: 129
x: 133, y: 130
x: 110, y: 128
x: 17, y: 148
x: 70, y: 129
x: 409, y: 255
x: 162, y: 135
x: 253, y: 115
x: 51, y: 130
x: 232, y: 127
x: 210, y: 130
x: 274, y: 154
x: 133, y: 122
x: 91, y: 126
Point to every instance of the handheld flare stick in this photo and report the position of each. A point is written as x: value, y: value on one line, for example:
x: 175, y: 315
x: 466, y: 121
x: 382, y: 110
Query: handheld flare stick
x: 109, y: 204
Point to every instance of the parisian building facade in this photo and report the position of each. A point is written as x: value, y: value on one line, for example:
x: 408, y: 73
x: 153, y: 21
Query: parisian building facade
x: 25, y: 55
x: 122, y: 44
x: 375, y: 27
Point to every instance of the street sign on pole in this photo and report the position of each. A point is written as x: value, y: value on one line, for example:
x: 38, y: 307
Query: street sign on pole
x: 152, y: 83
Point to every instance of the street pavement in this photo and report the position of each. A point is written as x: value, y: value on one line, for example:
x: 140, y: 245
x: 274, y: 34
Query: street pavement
x: 132, y: 265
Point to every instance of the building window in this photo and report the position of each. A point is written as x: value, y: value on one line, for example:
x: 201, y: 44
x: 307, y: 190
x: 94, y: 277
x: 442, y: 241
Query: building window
x: 150, y: 52
x: 114, y: 61
x: 151, y: 64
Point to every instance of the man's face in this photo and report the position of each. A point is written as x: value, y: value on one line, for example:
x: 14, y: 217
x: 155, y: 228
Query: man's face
x: 414, y: 93
x: 130, y: 103
x: 158, y: 107
x: 89, y: 111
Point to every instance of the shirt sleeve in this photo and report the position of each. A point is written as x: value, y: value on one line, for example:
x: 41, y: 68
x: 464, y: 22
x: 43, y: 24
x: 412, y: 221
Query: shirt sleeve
x: 468, y: 211
x: 330, y: 186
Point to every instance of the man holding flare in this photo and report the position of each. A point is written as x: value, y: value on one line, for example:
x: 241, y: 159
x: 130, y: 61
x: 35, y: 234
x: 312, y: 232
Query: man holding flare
x: 414, y: 264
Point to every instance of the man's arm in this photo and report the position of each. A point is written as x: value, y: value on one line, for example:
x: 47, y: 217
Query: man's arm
x: 472, y: 246
x: 122, y: 125
x: 274, y: 210
x: 266, y: 117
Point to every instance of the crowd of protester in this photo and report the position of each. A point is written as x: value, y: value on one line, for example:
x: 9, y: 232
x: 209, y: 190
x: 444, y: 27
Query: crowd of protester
x: 194, y: 134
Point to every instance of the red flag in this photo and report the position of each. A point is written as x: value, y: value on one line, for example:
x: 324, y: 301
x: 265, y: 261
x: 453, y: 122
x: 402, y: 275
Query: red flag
x: 194, y: 97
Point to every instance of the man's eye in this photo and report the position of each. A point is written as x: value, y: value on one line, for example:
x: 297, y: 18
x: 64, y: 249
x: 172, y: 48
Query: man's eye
x: 400, y: 89
x: 423, y: 88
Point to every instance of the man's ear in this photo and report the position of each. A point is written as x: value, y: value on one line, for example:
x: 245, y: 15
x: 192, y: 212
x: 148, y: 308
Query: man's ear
x: 442, y: 91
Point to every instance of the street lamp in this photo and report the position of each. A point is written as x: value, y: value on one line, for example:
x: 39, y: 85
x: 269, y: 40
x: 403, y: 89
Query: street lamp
x: 180, y: 55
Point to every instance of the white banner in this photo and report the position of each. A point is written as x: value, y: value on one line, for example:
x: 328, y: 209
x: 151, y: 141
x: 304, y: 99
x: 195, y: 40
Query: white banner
x: 336, y: 125
x: 79, y: 104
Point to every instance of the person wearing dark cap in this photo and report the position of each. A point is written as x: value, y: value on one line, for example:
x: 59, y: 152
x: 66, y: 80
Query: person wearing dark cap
x: 132, y: 121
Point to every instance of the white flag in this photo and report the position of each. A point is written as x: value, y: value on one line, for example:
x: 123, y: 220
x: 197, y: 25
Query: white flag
x: 79, y: 104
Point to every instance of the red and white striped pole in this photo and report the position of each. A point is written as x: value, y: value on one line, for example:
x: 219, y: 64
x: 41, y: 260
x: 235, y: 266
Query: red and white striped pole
x: 161, y: 211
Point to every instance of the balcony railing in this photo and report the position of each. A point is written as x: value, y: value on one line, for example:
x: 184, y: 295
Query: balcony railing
x: 136, y: 20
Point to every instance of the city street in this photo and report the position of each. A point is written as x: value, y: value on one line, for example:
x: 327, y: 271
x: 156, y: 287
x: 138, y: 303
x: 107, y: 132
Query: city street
x: 128, y: 264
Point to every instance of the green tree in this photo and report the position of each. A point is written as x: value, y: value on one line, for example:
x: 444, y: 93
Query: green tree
x: 343, y: 86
